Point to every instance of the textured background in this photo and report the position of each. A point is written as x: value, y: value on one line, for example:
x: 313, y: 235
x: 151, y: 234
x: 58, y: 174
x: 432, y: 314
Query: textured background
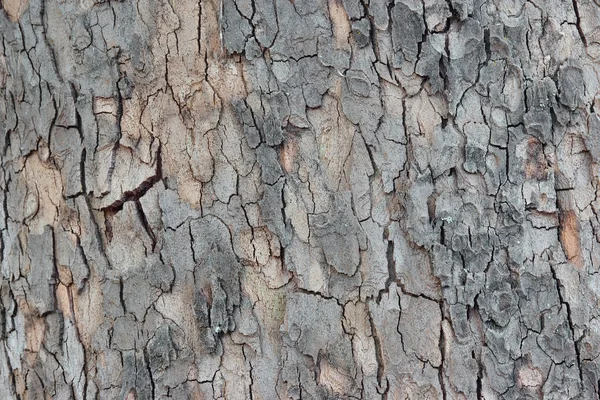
x: 261, y: 199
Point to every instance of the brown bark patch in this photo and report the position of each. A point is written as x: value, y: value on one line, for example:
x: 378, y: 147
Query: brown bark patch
x: 105, y: 105
x: 569, y: 237
x: 530, y: 377
x: 288, y: 155
x: 536, y: 165
x: 340, y: 22
x: 14, y: 8
x: 44, y: 189
x: 62, y: 297
x: 332, y: 377
x: 131, y: 395
x: 35, y: 329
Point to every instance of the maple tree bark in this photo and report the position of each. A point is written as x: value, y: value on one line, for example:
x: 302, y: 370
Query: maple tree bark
x: 260, y: 199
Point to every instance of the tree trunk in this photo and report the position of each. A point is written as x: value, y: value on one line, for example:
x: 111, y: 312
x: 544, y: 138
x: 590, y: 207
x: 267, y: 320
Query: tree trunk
x: 316, y: 199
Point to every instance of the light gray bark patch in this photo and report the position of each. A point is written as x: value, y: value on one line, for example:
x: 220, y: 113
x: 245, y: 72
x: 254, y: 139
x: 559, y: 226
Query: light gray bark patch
x: 556, y: 339
x: 265, y: 22
x: 379, y: 11
x: 125, y: 333
x: 538, y: 124
x: 428, y: 64
x: 424, y: 313
x: 217, y: 278
x: 463, y: 8
x: 354, y: 9
x: 161, y: 351
x: 306, y: 316
x: 592, y: 139
x: 297, y: 34
x: 268, y: 159
x: 174, y: 212
x: 408, y: 28
x: 463, y: 366
x: 247, y: 120
x: 42, y: 274
x: 235, y: 27
x: 361, y: 102
x: 466, y: 51
x: 361, y: 31
x: 272, y: 211
x: 135, y: 304
x: 112, y: 298
x: 55, y: 325
x: 340, y: 236
x: 500, y: 301
x: 447, y: 144
x: 69, y: 254
x: 313, y: 73
x: 202, y: 314
x: 571, y: 86
x: 358, y: 83
x: 160, y: 275
x: 436, y: 15
x: 269, y: 116
x: 478, y: 137
x: 539, y: 296
x: 136, y: 376
x: 213, y: 236
x: 65, y: 150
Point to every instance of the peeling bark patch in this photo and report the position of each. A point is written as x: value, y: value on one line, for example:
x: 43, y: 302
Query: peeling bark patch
x: 333, y: 378
x: 288, y: 155
x: 569, y: 237
x: 44, y: 191
x: 14, y: 8
x: 340, y: 22
x: 530, y: 377
x: 535, y: 166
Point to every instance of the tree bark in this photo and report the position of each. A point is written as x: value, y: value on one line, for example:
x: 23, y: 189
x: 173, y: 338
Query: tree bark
x: 315, y: 199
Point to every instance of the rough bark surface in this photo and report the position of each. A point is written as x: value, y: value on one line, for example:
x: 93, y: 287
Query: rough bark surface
x: 261, y: 199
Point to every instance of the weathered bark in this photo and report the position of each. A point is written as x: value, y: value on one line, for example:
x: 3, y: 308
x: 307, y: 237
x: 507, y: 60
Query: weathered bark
x: 299, y: 199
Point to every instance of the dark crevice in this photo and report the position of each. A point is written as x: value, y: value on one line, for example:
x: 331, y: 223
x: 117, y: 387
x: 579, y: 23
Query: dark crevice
x: 442, y: 347
x: 85, y: 263
x: 479, y: 375
x: 442, y: 233
x: 391, y: 266
x: 78, y: 122
x: 145, y: 224
x: 149, y: 369
x: 579, y: 29
x: 570, y: 322
x: 199, y: 27
x: 7, y: 141
x: 53, y: 123
x: 138, y: 192
x: 194, y: 257
x: 486, y: 41
x: 97, y: 232
x: 121, y: 297
x: 108, y: 231
x: 82, y: 170
x: 378, y: 357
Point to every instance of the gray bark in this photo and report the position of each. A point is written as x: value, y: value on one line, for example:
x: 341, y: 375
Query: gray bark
x: 316, y: 199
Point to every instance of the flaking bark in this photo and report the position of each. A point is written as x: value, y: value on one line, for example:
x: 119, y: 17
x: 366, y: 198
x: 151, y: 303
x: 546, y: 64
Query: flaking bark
x: 261, y: 199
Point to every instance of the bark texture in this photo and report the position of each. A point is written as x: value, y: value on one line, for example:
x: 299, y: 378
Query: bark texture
x: 316, y: 199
